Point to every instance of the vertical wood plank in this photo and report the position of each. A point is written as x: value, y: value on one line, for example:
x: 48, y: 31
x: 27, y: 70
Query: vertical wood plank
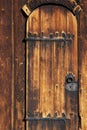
x: 5, y: 64
x: 42, y: 79
x: 30, y: 79
x: 49, y: 52
x: 33, y: 83
x: 72, y: 98
x: 61, y: 59
x: 19, y: 65
x: 73, y: 57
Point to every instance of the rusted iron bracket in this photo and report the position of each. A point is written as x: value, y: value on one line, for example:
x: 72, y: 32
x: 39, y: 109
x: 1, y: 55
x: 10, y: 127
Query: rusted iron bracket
x: 72, y: 5
x: 39, y: 115
x: 52, y: 37
x: 71, y: 84
x: 26, y: 10
x: 75, y: 7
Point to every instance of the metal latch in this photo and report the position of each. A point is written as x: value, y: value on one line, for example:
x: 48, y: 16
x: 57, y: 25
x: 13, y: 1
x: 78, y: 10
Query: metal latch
x: 70, y: 83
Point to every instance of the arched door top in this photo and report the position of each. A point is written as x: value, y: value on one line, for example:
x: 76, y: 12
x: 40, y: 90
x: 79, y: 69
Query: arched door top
x: 72, y: 5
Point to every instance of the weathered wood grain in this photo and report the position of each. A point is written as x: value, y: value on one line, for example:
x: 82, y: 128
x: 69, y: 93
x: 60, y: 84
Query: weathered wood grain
x: 6, y: 46
x: 19, y: 65
x: 49, y: 63
x: 5, y: 64
x: 83, y: 66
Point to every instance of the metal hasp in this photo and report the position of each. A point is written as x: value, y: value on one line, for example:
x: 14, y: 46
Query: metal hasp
x: 70, y: 83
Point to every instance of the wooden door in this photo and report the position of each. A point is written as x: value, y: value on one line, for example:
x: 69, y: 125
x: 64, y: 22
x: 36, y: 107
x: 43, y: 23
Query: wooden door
x: 51, y: 65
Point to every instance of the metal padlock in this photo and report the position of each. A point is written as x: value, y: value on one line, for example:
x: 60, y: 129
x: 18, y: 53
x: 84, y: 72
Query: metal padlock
x: 71, y: 84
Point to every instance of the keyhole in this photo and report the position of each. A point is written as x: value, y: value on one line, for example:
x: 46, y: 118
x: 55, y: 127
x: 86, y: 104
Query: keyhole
x: 69, y: 80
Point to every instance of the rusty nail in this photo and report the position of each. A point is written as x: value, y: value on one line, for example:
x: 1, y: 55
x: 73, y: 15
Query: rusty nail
x: 40, y: 114
x: 63, y: 34
x: 36, y: 114
x: 35, y: 34
x: 72, y: 35
x: 63, y: 115
x: 68, y: 35
x: 55, y: 114
x: 42, y: 34
x: 30, y: 114
x: 51, y: 35
x: 29, y: 34
x: 49, y: 115
x: 56, y: 34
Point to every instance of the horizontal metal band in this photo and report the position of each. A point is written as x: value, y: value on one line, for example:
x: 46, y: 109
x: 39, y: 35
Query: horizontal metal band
x: 60, y: 39
x: 45, y: 119
x: 63, y: 37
